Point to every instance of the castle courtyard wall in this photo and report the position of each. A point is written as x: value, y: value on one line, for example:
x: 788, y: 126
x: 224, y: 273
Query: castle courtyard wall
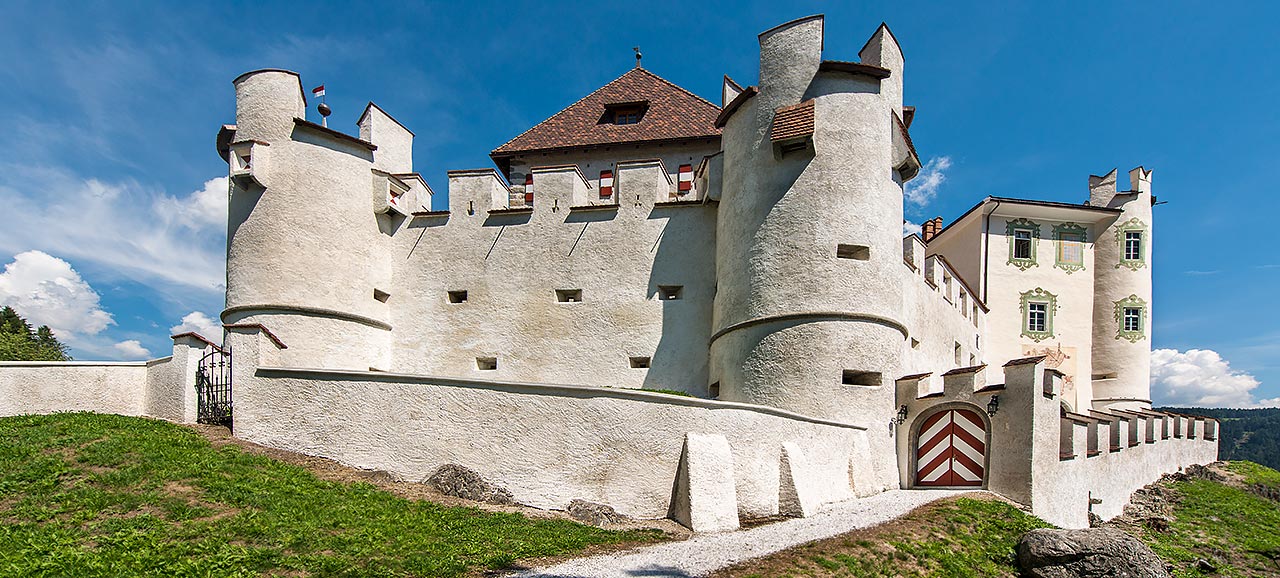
x: 546, y: 444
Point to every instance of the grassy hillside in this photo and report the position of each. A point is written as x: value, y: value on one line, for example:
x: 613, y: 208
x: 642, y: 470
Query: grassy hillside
x: 1247, y: 434
x: 94, y: 495
x: 1224, y: 522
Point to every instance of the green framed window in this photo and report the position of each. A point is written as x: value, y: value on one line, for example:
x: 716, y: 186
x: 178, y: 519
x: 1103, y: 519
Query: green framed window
x: 1068, y: 241
x: 1131, y: 319
x: 1131, y: 236
x: 1038, y: 307
x: 1023, y: 235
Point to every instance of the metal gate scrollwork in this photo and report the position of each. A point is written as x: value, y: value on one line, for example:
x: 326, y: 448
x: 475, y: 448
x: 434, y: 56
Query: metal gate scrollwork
x: 213, y: 388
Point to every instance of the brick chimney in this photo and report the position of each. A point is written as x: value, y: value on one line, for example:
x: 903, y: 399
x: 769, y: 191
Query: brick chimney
x: 931, y: 228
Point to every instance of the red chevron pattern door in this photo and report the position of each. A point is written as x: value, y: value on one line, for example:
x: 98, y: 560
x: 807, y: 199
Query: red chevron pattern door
x: 950, y: 449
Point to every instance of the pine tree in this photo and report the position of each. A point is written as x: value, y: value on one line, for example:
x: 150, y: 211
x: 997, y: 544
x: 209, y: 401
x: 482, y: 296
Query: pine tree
x: 18, y: 342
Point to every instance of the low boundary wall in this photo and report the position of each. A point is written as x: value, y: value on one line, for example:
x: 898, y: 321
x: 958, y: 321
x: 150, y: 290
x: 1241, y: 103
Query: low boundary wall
x: 163, y: 388
x: 548, y: 445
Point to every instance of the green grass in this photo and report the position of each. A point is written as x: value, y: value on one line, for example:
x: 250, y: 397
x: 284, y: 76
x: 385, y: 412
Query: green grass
x: 961, y: 538
x: 1235, y: 529
x: 670, y: 392
x: 96, y: 495
x: 1224, y: 523
x: 1255, y: 473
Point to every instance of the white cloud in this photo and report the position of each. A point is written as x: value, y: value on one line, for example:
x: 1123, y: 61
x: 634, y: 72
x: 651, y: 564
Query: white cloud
x: 921, y: 190
x: 132, y: 349
x: 119, y: 228
x: 47, y: 291
x: 1201, y: 378
x: 909, y: 228
x: 197, y: 322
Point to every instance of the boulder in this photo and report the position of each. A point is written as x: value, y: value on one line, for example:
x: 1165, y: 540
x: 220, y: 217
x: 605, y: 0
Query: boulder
x: 1089, y: 553
x: 461, y: 482
x: 598, y: 515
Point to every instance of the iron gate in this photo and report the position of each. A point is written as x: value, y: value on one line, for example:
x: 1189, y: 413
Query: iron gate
x: 213, y: 388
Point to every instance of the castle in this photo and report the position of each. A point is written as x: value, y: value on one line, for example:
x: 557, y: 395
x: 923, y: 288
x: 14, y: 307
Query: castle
x: 749, y: 255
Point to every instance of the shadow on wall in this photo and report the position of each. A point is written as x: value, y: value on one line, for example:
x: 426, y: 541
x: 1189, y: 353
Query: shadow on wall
x: 683, y: 279
x: 309, y: 136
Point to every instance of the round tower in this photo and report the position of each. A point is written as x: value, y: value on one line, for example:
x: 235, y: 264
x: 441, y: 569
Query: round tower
x: 1122, y: 301
x: 809, y: 234
x: 302, y: 242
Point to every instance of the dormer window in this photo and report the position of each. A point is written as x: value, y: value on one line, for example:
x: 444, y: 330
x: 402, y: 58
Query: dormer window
x: 626, y: 116
x: 624, y: 113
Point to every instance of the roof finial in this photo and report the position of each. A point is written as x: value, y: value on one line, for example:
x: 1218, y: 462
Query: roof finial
x: 323, y: 108
x: 638, y: 56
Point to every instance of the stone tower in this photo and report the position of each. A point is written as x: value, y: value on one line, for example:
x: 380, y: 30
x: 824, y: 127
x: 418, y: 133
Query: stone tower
x: 809, y: 263
x: 1122, y: 257
x: 305, y: 255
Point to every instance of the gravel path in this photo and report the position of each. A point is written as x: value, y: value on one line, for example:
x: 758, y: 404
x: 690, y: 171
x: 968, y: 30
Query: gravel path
x: 706, y: 553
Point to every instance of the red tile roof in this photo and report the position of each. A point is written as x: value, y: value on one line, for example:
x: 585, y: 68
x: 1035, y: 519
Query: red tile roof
x: 793, y: 121
x: 672, y: 113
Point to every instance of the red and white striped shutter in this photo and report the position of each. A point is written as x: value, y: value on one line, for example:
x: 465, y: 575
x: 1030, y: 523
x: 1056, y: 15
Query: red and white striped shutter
x: 606, y: 184
x: 950, y: 449
x: 686, y: 179
x: 528, y: 190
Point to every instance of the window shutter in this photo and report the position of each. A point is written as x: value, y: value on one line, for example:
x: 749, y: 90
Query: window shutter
x: 686, y: 179
x: 606, y: 184
x: 528, y: 190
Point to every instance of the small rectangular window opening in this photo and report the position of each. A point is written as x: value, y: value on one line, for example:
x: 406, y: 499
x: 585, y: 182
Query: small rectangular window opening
x: 714, y: 390
x: 638, y: 362
x: 862, y: 378
x: 486, y: 363
x: 856, y: 252
x: 1037, y: 319
x: 381, y: 296
x: 915, y: 343
x: 973, y: 360
x: 959, y: 354
x: 1132, y: 245
x: 243, y: 161
x: 1021, y: 244
x: 793, y: 147
x: 569, y: 295
x: 458, y: 296
x: 1071, y: 248
x: 1132, y: 319
x: 670, y: 292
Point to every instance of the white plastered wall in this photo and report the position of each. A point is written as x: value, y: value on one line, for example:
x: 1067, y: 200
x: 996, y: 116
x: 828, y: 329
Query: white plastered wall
x: 512, y: 263
x: 547, y: 444
x: 1072, y: 322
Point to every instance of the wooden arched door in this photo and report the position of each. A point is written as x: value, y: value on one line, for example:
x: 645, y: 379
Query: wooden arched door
x: 951, y: 449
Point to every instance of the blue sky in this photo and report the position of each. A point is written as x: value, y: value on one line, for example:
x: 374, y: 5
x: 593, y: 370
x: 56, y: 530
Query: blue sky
x: 108, y: 168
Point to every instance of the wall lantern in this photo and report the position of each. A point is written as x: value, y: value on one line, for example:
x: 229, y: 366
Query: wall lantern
x: 994, y: 405
x: 894, y: 422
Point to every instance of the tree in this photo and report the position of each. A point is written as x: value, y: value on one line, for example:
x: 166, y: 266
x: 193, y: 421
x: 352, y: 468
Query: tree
x: 18, y: 342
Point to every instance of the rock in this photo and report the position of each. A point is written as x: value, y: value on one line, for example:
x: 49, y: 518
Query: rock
x: 460, y: 482
x: 1268, y: 492
x: 1095, y: 552
x: 1204, y: 473
x: 1205, y: 567
x: 598, y: 515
